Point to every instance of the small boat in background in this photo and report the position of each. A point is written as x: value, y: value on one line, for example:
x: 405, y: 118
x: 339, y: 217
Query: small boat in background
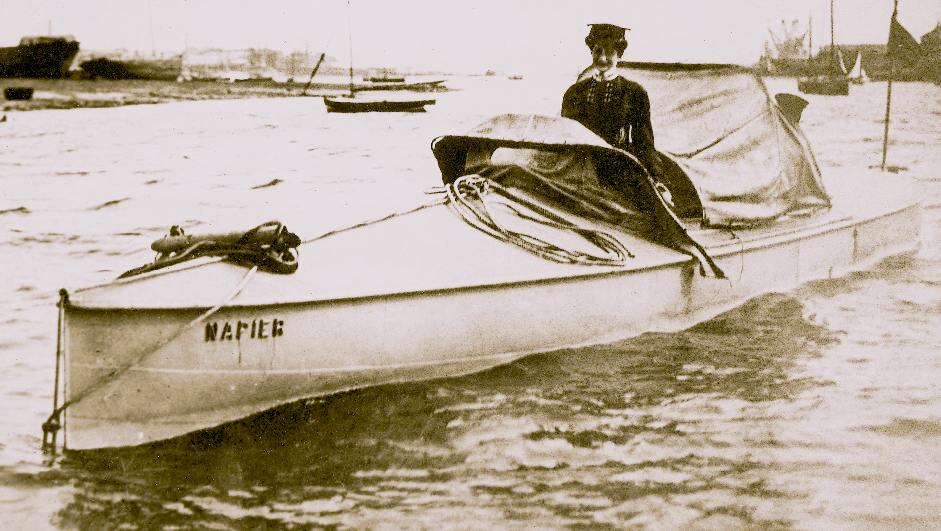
x: 857, y: 75
x: 352, y: 104
x: 359, y: 104
x: 832, y: 81
x: 385, y: 76
x: 167, y: 69
x: 18, y: 93
x: 417, y: 86
x: 824, y: 85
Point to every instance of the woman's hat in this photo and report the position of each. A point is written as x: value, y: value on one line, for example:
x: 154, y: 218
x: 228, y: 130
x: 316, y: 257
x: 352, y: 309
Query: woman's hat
x: 606, y: 32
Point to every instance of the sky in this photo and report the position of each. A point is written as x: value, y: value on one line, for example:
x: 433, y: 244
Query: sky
x: 513, y: 36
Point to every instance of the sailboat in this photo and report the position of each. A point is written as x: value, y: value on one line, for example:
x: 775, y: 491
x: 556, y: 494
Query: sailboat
x: 857, y: 74
x: 833, y: 81
x: 353, y: 103
x: 840, y: 62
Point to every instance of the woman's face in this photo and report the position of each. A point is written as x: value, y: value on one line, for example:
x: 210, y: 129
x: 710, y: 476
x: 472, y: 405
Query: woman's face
x: 605, y: 56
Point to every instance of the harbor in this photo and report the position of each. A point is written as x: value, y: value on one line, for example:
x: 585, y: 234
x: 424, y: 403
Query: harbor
x: 803, y: 395
x: 712, y: 411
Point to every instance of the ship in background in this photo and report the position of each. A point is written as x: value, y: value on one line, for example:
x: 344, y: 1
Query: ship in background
x: 790, y: 52
x: 121, y: 64
x: 39, y: 57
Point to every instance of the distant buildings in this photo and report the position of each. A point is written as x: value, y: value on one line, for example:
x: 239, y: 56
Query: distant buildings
x: 254, y: 63
x: 203, y: 64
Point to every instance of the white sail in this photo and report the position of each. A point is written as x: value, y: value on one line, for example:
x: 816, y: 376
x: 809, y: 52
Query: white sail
x: 842, y: 64
x: 857, y: 74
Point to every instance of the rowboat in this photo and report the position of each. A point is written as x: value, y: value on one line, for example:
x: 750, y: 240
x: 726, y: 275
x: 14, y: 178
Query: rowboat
x: 511, y: 258
x: 824, y: 85
x: 18, y: 93
x: 360, y: 104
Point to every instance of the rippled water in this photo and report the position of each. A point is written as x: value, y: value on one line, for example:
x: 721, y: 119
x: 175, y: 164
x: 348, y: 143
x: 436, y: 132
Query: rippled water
x: 816, y: 408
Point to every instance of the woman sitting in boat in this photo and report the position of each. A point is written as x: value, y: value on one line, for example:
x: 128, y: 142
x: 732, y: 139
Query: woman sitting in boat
x: 612, y: 106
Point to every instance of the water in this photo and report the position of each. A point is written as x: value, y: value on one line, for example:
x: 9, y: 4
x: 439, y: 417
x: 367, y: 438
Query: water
x: 816, y: 408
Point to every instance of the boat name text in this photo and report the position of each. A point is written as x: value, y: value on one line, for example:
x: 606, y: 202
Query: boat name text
x: 254, y: 329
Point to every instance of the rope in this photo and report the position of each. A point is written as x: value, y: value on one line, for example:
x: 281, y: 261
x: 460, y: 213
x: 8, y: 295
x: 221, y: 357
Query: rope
x: 51, y: 427
x: 273, y: 254
x: 53, y: 422
x: 379, y: 220
x: 467, y: 197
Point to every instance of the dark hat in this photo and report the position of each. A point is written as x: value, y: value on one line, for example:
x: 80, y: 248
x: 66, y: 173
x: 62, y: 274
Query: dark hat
x: 606, y: 31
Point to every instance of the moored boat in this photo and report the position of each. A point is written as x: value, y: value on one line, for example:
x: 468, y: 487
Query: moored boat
x: 832, y: 80
x: 415, y: 86
x: 857, y: 74
x: 352, y: 104
x: 385, y: 77
x: 359, y: 104
x: 162, y: 69
x: 824, y: 85
x: 18, y: 93
x: 530, y: 263
x: 39, y: 57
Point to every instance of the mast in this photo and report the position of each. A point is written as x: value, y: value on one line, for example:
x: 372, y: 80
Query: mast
x: 888, y: 90
x: 810, y: 33
x: 349, y: 25
x: 832, y: 38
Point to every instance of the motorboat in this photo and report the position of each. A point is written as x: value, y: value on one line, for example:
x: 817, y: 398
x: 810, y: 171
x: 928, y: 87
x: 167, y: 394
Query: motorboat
x: 541, y: 237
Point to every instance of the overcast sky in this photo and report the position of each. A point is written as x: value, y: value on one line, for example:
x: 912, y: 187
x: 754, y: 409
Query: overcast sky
x: 528, y: 36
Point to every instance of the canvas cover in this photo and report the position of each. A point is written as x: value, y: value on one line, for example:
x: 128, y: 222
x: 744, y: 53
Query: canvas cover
x: 719, y: 124
x: 747, y: 163
x: 552, y: 161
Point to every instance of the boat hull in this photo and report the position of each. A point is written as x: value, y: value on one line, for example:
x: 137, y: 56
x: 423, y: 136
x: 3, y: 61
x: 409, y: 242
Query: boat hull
x: 824, y: 87
x: 353, y: 105
x: 244, y: 359
x: 45, y: 57
x: 418, y: 86
x: 18, y: 93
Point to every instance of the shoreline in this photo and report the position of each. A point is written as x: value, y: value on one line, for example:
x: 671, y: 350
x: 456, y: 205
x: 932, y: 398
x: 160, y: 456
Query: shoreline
x: 85, y: 94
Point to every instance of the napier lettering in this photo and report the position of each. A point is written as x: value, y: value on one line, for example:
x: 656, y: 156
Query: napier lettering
x: 254, y: 329
x: 211, y: 330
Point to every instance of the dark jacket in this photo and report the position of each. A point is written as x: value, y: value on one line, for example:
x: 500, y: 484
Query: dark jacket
x: 607, y: 107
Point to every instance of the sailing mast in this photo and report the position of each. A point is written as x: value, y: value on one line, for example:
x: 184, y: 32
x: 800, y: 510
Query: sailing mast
x: 349, y: 26
x: 832, y: 39
x: 810, y: 33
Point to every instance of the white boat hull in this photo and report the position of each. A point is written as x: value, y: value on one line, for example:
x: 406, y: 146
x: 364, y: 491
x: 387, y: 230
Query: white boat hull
x: 231, y: 366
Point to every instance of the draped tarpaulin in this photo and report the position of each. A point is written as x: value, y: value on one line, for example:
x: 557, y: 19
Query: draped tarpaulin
x: 718, y: 123
x: 553, y: 159
x: 747, y: 163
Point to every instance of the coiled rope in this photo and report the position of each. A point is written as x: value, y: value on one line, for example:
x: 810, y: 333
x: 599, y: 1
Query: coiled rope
x: 467, y: 196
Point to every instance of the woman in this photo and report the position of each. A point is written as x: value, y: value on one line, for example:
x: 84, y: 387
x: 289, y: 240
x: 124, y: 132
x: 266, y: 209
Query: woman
x: 612, y: 106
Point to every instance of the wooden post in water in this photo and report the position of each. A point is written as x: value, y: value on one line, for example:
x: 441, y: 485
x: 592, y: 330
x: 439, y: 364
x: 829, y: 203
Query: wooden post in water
x: 313, y: 73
